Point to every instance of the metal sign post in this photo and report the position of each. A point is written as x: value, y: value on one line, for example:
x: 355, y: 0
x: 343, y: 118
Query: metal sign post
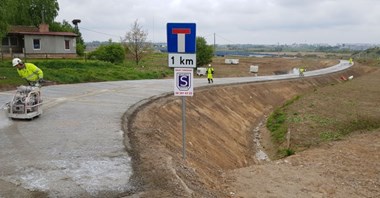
x: 183, y: 127
x: 181, y: 55
x: 183, y: 86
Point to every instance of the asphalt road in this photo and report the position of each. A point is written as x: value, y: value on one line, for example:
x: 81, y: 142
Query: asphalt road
x: 75, y: 148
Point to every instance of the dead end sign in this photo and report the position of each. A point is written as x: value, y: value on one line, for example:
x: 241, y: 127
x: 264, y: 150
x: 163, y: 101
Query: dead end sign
x: 181, y: 38
x: 181, y: 45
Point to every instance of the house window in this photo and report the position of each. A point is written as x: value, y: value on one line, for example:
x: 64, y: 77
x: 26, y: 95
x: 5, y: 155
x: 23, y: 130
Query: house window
x: 67, y: 44
x: 5, y: 41
x: 36, y: 44
x: 14, y: 41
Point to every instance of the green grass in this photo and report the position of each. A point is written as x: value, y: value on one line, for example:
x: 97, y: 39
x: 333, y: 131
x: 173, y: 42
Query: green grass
x: 361, y: 123
x: 286, y: 152
x: 334, y: 113
x: 277, y: 126
x: 64, y: 71
x: 330, y: 136
x: 320, y: 120
x: 314, y: 124
x: 276, y: 122
x: 345, y: 128
x: 373, y: 62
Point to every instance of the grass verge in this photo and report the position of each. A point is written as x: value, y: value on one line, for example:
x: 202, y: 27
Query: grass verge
x: 64, y: 71
x: 277, y: 124
x: 328, y: 114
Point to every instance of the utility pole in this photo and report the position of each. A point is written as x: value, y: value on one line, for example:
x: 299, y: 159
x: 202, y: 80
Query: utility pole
x: 214, y: 45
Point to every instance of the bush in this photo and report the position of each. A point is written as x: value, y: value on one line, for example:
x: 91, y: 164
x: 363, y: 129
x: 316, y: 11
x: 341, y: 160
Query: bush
x: 80, y: 49
x: 113, y: 53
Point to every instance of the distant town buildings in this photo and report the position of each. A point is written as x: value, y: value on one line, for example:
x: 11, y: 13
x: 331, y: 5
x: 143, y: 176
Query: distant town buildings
x: 324, y: 47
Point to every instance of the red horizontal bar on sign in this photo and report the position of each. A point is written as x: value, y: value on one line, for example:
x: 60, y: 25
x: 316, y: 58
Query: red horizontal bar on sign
x: 181, y: 31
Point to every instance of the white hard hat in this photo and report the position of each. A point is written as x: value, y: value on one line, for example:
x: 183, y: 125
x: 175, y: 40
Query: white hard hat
x: 16, y: 61
x: 209, y: 65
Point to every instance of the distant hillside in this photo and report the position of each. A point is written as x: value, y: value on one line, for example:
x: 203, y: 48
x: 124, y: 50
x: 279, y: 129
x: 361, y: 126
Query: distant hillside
x: 368, y: 53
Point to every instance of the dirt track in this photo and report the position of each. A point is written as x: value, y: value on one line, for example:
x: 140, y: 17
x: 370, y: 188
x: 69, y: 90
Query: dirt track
x: 220, y: 147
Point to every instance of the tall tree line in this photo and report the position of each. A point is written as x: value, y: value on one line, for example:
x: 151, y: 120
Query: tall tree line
x: 4, y: 15
x: 27, y: 12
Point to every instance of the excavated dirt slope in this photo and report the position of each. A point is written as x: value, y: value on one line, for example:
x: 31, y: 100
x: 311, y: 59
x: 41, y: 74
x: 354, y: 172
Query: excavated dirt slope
x: 219, y: 125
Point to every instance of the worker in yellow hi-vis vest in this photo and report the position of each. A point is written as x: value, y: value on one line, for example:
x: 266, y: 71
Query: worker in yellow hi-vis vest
x: 210, y: 72
x: 301, y: 71
x: 28, y: 71
x: 350, y: 61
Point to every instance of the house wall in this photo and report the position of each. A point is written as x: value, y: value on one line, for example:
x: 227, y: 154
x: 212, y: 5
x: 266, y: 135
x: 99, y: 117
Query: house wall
x: 49, y: 44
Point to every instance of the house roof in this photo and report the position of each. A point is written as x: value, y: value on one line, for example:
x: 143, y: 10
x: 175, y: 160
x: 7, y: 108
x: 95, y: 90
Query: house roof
x: 19, y: 28
x: 30, y: 30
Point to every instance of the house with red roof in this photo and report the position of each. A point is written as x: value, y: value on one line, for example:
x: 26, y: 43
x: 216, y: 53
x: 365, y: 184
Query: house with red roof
x: 33, y: 42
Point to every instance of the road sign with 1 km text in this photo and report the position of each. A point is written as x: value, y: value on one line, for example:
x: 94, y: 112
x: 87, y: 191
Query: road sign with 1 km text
x: 182, y: 60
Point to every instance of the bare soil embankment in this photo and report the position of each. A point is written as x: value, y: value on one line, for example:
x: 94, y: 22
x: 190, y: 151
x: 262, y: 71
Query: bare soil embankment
x: 335, y: 131
x: 219, y: 137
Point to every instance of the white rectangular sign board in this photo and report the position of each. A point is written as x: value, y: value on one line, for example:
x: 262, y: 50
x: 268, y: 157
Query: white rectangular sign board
x: 182, y: 60
x: 183, y: 82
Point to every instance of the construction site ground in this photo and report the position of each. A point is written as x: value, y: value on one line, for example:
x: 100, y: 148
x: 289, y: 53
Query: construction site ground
x: 225, y: 132
x: 225, y: 127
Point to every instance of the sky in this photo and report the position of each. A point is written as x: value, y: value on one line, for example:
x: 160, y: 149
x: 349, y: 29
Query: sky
x: 231, y: 21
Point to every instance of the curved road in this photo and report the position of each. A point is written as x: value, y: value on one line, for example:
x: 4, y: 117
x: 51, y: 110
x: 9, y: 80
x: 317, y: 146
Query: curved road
x: 75, y: 148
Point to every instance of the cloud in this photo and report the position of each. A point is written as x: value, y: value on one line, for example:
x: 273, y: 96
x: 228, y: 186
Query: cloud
x: 233, y: 21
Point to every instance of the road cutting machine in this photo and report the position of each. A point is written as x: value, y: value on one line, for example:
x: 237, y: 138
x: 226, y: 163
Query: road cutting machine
x: 26, y: 103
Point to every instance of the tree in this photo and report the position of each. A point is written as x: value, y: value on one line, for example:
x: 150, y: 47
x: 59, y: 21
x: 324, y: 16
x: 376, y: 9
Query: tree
x: 32, y: 12
x: 4, y: 18
x: 135, y: 42
x: 61, y: 27
x: 204, y: 52
x: 26, y: 12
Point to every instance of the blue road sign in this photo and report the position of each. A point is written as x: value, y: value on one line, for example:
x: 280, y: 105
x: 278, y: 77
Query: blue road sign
x: 181, y: 37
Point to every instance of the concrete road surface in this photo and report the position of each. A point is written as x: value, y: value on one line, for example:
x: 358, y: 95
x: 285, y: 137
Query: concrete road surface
x: 75, y: 148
